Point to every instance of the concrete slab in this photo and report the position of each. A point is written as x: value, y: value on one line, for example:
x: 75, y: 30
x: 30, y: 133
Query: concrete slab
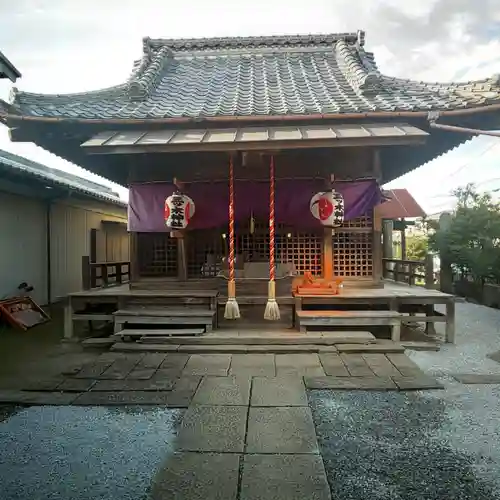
x: 173, y: 364
x: 278, y: 392
x: 136, y: 347
x: 380, y: 364
x: 298, y: 365
x: 37, y: 398
x: 208, y: 364
x: 284, y: 477
x: 76, y: 385
x: 225, y: 391
x: 165, y: 398
x: 197, y: 476
x: 379, y: 346
x: 372, y: 383
x: 99, y: 342
x: 333, y: 365
x: 93, y: 370
x: 147, y: 366
x: 475, y: 378
x: 281, y: 430
x: 141, y: 373
x: 121, y: 367
x: 213, y: 428
x: 347, y: 337
x: 356, y: 365
x: 153, y: 384
x: 404, y: 364
x: 419, y: 382
x: 43, y: 384
x: 259, y: 365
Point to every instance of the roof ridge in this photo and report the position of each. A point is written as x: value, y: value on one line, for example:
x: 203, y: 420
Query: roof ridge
x: 179, y: 44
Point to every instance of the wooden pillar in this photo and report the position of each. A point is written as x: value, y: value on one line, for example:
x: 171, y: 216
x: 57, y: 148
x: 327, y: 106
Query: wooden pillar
x: 377, y: 225
x: 93, y: 245
x: 403, y: 240
x: 328, y: 256
x: 134, y: 258
x: 181, y: 256
x: 445, y: 271
x: 387, y: 228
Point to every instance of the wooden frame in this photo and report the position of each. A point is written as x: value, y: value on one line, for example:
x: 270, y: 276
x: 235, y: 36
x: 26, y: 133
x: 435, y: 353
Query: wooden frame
x: 9, y: 307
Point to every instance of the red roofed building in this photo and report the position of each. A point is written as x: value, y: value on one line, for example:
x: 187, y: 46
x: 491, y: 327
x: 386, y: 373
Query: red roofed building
x: 400, y: 205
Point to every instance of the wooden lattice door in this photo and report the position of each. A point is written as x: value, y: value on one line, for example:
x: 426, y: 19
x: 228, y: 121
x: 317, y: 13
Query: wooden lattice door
x: 157, y: 255
x: 353, y: 249
x: 208, y: 249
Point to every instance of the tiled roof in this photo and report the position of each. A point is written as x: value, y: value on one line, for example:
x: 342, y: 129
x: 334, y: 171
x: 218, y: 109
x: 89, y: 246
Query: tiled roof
x: 7, y: 69
x: 51, y: 176
x: 258, y: 76
x: 400, y: 205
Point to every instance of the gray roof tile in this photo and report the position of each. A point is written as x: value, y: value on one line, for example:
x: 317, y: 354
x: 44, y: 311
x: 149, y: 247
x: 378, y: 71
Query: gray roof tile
x: 26, y: 167
x: 256, y: 76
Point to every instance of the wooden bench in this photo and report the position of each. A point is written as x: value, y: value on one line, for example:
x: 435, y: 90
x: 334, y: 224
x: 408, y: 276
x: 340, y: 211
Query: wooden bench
x: 305, y: 319
x: 164, y: 316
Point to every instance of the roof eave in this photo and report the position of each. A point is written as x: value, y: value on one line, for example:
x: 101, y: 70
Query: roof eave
x: 8, y: 70
x: 13, y: 118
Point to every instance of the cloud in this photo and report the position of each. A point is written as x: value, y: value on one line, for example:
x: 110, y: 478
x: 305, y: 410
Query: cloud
x: 70, y: 46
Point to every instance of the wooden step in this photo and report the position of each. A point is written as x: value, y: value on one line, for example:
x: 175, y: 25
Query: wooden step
x: 165, y: 312
x: 335, y: 319
x: 345, y: 318
x: 165, y: 316
x: 161, y: 332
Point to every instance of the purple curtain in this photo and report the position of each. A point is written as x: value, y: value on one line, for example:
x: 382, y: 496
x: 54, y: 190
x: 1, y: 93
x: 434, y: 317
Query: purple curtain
x: 147, y: 201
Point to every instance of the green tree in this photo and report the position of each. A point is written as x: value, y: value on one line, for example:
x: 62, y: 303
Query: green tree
x: 471, y: 240
x: 417, y: 246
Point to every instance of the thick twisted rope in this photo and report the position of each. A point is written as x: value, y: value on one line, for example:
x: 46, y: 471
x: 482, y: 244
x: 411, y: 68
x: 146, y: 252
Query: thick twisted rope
x: 231, y: 220
x: 272, y: 267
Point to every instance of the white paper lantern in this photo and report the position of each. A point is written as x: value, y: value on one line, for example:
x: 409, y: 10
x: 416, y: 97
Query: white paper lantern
x: 179, y: 210
x: 328, y: 208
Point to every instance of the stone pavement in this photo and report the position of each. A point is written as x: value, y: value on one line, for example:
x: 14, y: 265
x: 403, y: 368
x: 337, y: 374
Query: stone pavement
x: 249, y: 438
x: 248, y: 431
x: 171, y: 379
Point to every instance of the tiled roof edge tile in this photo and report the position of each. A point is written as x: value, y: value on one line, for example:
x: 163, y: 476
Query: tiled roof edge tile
x: 360, y: 77
x: 147, y: 75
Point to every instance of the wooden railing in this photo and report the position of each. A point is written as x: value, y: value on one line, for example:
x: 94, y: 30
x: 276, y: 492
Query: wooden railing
x: 104, y: 274
x: 411, y: 272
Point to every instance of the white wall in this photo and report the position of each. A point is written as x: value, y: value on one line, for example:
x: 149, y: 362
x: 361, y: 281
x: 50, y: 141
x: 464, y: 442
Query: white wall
x: 23, y: 245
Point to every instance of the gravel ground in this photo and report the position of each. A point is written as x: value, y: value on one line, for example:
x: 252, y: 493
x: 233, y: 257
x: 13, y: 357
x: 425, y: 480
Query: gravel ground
x: 420, y: 445
x: 410, y: 445
x: 477, y: 336
x: 76, y: 453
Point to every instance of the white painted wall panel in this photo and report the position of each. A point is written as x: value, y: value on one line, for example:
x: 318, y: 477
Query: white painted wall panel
x: 23, y: 245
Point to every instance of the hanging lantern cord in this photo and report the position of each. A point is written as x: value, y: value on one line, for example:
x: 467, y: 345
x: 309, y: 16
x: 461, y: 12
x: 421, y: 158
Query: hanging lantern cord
x: 272, y: 311
x: 232, y: 310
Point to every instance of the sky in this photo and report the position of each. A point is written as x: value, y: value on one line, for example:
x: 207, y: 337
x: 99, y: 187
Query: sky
x: 68, y: 46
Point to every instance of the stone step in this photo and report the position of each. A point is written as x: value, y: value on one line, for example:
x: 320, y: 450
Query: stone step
x: 319, y: 338
x: 240, y: 348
